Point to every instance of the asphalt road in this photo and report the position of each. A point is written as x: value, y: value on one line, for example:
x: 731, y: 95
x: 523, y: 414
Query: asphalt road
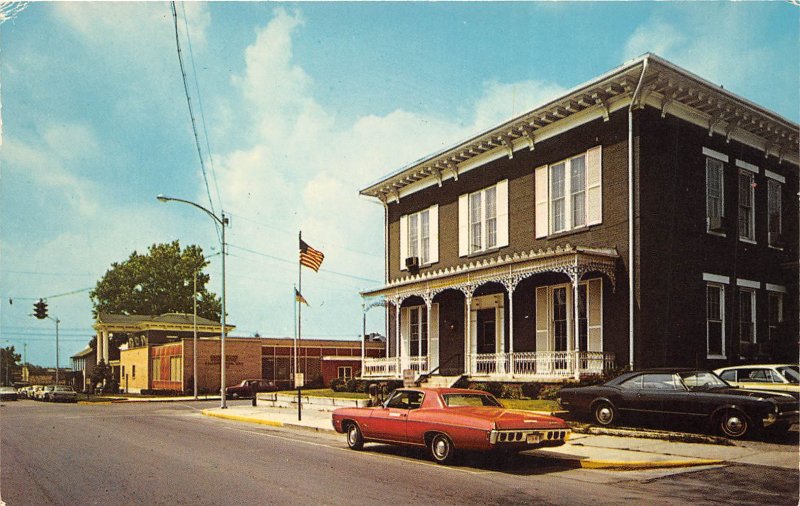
x: 168, y: 453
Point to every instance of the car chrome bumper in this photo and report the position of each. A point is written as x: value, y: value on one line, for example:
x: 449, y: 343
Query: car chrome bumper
x: 531, y: 437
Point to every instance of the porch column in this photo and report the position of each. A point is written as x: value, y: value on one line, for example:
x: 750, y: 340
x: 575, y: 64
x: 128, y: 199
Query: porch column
x: 511, y: 285
x: 105, y: 346
x: 576, y: 277
x: 428, y: 298
x: 99, y: 346
x: 468, y: 291
x: 397, y: 352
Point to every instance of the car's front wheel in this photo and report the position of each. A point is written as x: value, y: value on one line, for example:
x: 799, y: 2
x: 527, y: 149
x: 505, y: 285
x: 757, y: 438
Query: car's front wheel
x: 604, y: 413
x: 355, y: 441
x: 442, y: 449
x: 733, y: 423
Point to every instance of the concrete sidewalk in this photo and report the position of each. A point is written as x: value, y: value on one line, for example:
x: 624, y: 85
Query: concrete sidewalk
x: 589, y: 451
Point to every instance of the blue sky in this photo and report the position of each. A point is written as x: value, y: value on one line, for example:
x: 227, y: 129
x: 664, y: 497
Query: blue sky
x: 304, y: 104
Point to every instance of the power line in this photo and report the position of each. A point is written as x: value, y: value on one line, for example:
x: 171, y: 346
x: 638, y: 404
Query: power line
x: 200, y: 103
x: 191, y: 115
x: 294, y: 262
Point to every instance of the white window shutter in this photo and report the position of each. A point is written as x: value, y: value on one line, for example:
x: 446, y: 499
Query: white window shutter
x: 594, y: 186
x: 542, y: 320
x: 594, y: 296
x: 433, y: 233
x: 502, y: 213
x: 403, y: 241
x: 405, y: 332
x: 433, y: 349
x: 540, y: 200
x: 463, y: 225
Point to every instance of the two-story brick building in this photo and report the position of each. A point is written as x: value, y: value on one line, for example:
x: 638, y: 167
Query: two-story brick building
x: 645, y: 218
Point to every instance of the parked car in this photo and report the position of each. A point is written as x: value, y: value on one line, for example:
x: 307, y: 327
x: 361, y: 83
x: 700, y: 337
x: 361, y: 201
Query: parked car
x: 685, y: 393
x: 247, y: 388
x: 44, y: 393
x: 447, y: 420
x: 775, y: 377
x: 37, y: 392
x: 61, y: 393
x: 8, y: 394
x: 22, y: 392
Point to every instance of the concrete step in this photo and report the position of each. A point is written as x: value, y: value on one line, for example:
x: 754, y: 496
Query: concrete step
x: 441, y: 381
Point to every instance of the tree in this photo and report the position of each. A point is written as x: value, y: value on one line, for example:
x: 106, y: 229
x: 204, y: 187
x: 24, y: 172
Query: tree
x: 9, y: 365
x: 101, y: 375
x: 155, y: 283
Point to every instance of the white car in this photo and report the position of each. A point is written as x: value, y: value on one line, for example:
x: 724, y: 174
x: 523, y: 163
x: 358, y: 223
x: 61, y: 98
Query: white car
x: 772, y: 377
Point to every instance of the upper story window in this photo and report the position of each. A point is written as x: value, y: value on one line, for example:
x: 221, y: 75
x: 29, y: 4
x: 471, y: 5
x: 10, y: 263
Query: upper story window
x: 483, y: 219
x: 419, y: 238
x: 715, y: 195
x: 715, y: 320
x: 569, y: 193
x: 746, y: 206
x: 774, y: 212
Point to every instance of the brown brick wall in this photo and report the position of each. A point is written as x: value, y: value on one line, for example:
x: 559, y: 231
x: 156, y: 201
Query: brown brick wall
x: 677, y: 250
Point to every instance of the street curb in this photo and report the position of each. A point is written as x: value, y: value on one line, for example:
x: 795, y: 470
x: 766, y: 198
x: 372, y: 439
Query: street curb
x: 91, y: 403
x: 636, y: 466
x: 238, y: 418
x: 261, y: 421
x: 680, y: 437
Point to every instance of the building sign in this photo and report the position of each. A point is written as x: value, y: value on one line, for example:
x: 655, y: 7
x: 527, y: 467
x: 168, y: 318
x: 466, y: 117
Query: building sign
x: 299, y: 380
x: 229, y: 360
x: 137, y: 341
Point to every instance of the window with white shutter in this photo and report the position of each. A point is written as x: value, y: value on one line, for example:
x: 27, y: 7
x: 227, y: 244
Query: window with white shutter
x: 483, y: 219
x: 419, y: 236
x: 569, y: 194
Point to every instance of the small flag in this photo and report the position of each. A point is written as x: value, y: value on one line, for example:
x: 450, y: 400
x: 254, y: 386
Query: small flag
x: 298, y: 297
x: 310, y: 257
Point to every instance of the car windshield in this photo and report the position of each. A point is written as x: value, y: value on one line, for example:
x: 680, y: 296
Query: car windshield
x: 701, y: 380
x: 63, y: 389
x: 454, y: 400
x: 791, y: 373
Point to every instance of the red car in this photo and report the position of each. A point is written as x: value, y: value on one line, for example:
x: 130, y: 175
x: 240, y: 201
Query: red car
x: 446, y: 420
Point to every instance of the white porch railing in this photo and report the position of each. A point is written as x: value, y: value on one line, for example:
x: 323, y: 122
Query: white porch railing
x: 518, y: 366
x: 381, y: 367
x: 541, y: 364
x: 392, y: 367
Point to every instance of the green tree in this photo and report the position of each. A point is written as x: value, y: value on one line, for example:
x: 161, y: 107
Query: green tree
x: 101, y: 375
x: 160, y: 281
x: 10, y: 367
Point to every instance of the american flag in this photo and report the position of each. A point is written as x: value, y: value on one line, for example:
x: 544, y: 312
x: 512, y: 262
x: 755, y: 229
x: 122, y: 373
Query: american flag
x: 310, y: 257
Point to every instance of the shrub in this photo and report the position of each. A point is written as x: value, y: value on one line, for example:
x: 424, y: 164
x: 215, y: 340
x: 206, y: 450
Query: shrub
x: 549, y: 392
x: 338, y: 385
x: 510, y: 391
x: 531, y: 390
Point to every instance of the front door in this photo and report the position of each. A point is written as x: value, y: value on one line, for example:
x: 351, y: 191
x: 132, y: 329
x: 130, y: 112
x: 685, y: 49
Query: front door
x: 560, y: 324
x: 486, y: 330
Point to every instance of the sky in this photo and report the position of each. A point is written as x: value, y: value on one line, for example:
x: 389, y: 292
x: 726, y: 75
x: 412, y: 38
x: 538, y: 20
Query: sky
x: 297, y: 106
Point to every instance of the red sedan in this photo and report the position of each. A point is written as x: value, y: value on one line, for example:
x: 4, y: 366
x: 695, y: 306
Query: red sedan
x: 446, y: 420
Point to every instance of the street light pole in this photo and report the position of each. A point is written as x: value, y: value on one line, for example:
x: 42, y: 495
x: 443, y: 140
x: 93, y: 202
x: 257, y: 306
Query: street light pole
x: 222, y: 220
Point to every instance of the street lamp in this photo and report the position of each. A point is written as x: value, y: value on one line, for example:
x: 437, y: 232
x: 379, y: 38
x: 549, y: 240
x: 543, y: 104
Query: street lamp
x: 222, y: 220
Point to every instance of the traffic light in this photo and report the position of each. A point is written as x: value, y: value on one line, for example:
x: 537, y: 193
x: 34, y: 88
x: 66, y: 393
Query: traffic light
x: 40, y: 309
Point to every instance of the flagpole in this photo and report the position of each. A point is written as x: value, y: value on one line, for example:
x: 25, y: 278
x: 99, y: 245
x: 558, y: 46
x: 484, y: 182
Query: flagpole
x: 299, y: 325
x: 294, y: 324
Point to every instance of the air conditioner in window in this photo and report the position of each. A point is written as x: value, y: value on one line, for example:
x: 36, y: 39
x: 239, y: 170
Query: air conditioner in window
x: 412, y: 263
x: 716, y: 224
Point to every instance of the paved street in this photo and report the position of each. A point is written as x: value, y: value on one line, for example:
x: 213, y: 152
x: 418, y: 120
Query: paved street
x: 159, y: 453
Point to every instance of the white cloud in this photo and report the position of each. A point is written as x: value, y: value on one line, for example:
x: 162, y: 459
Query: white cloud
x: 719, y: 47
x: 294, y: 167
